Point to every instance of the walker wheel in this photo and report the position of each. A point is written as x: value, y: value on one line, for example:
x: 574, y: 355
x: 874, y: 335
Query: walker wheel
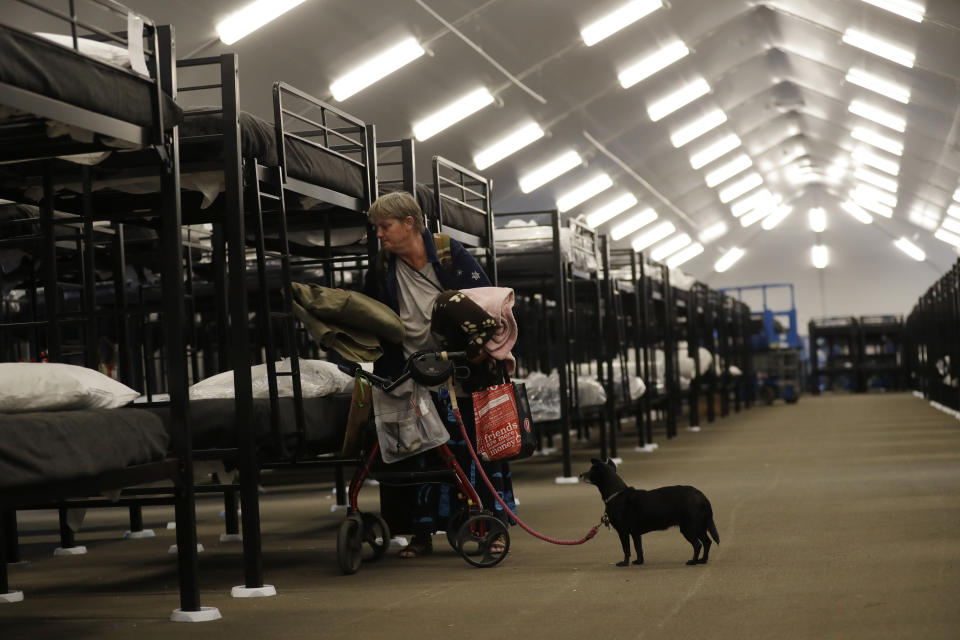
x: 376, y: 533
x: 350, y: 545
x: 483, y: 540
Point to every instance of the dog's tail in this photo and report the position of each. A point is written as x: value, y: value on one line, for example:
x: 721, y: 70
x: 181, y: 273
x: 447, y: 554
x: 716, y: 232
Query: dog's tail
x: 712, y: 529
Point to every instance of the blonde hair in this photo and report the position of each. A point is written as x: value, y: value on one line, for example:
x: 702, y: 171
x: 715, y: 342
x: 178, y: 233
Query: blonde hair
x: 397, y: 205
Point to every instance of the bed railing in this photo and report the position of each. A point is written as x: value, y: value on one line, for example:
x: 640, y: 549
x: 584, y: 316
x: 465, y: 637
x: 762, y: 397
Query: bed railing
x: 336, y: 133
x: 139, y: 37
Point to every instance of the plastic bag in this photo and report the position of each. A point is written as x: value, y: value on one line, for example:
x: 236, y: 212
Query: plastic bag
x: 407, y: 422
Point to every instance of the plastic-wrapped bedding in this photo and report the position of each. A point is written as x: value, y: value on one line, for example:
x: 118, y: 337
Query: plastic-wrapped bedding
x: 527, y: 247
x: 36, y: 64
x: 49, y: 446
x: 543, y: 393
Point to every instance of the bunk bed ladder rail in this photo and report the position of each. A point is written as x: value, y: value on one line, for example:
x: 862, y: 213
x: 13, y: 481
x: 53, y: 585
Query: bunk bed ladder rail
x: 276, y: 205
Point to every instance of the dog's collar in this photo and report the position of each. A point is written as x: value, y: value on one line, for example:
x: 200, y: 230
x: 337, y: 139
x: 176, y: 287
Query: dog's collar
x: 607, y: 500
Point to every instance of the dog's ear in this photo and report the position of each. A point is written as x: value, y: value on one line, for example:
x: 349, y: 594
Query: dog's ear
x: 611, y: 464
x: 596, y: 461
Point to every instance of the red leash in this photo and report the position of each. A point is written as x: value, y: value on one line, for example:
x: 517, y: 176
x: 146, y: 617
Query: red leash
x: 496, y: 494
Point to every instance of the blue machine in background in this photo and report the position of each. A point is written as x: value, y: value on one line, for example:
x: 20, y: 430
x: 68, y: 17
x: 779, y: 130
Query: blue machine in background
x: 776, y: 347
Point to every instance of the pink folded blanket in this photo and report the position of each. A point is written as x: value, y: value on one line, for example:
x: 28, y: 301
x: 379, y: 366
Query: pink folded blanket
x: 498, y: 302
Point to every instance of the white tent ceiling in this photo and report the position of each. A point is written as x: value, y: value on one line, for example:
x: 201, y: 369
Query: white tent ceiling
x: 776, y: 69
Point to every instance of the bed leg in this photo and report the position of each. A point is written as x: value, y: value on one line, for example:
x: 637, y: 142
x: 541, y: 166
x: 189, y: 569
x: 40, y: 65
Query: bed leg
x: 8, y: 531
x: 137, y: 531
x: 7, y: 596
x: 230, y: 520
x: 68, y: 544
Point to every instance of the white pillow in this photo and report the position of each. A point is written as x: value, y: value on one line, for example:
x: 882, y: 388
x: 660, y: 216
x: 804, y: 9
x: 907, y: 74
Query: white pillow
x: 317, y: 378
x: 49, y: 386
x: 105, y: 51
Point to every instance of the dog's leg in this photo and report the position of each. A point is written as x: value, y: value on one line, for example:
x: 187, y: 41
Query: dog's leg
x: 638, y: 545
x: 625, y: 543
x: 705, y: 539
x: 689, y: 533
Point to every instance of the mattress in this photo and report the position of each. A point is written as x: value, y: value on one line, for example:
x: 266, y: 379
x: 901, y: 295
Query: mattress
x: 258, y: 140
x: 63, y: 445
x: 213, y: 424
x: 38, y: 65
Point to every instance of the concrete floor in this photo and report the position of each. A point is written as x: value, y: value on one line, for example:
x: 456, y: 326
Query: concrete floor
x: 838, y: 518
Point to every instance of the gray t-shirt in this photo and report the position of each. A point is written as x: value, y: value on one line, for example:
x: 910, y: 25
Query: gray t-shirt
x: 416, y: 306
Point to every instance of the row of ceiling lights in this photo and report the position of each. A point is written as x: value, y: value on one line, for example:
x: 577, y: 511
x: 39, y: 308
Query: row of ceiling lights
x: 749, y: 199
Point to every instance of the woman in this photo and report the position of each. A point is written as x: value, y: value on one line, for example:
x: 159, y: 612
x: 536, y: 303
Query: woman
x: 408, y: 277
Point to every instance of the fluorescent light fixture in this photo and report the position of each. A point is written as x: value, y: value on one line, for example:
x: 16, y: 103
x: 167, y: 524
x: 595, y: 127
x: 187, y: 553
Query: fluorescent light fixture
x: 875, y: 207
x: 728, y: 259
x: 878, y: 47
x: 954, y: 211
x: 697, y: 128
x: 924, y: 219
x: 956, y: 195
x: 670, y: 247
x: 775, y: 218
x: 549, y: 171
x: 757, y: 200
x: 875, y: 139
x: 376, y: 68
x: 879, y: 85
x: 617, y: 20
x: 678, y: 99
x: 610, y: 210
x: 452, y: 113
x: 866, y: 193
x: 854, y: 209
x: 719, y: 148
x: 875, y: 114
x: 649, y: 65
x: 633, y: 223
x: 875, y: 179
x: 685, y: 255
x: 818, y: 219
x: 903, y: 8
x: 951, y: 225
x: 740, y: 187
x: 251, y: 17
x: 947, y: 237
x: 714, y: 231
x: 820, y: 256
x: 865, y: 156
x: 756, y: 215
x: 911, y: 249
x: 580, y: 194
x: 725, y: 172
x: 509, y: 144
x: 653, y: 236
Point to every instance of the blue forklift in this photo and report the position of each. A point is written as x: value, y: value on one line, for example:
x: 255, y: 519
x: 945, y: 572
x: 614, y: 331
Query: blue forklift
x: 775, y: 344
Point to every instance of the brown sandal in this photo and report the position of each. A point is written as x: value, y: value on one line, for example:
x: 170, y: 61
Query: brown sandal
x: 416, y: 549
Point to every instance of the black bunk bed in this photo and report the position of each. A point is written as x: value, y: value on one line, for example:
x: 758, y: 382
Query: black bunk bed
x: 834, y: 354
x: 555, y: 270
x: 623, y: 354
x: 292, y: 190
x: 932, y: 342
x: 881, y: 353
x: 44, y: 87
x: 660, y: 336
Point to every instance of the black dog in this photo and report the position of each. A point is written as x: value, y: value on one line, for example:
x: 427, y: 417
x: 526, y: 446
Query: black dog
x: 633, y: 512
